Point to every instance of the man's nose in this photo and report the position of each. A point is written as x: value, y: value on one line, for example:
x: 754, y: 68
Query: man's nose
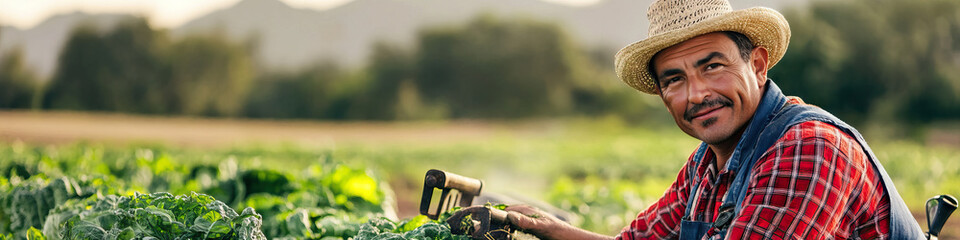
x: 697, y: 89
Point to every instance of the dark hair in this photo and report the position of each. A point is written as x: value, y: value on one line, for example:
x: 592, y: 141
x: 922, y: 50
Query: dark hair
x: 744, y: 45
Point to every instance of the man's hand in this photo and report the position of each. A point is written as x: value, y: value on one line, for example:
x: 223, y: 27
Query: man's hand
x: 545, y: 225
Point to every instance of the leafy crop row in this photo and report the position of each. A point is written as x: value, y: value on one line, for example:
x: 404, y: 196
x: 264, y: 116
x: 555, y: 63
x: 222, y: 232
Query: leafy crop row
x: 157, y: 215
x: 85, y: 193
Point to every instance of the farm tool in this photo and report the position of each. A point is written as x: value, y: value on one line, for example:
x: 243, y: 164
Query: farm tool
x: 480, y: 222
x: 939, y: 209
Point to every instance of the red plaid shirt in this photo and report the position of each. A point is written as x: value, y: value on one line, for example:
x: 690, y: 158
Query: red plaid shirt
x: 814, y: 183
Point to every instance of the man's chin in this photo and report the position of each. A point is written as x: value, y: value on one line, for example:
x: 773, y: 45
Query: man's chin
x: 712, y: 134
x: 707, y: 123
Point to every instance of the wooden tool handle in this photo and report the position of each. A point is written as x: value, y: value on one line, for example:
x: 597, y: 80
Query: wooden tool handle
x: 498, y: 215
x: 463, y: 184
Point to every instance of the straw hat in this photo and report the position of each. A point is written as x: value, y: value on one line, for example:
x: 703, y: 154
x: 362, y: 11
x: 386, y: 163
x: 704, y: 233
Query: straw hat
x: 675, y: 21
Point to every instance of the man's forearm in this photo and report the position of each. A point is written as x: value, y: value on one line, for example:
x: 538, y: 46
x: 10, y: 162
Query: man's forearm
x: 545, y: 226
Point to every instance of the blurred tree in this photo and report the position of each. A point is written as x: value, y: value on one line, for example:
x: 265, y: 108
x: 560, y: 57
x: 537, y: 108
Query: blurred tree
x: 76, y: 84
x: 885, y: 61
x: 598, y: 91
x: 307, y: 94
x: 389, y: 90
x: 120, y: 70
x: 496, y: 68
x: 133, y: 68
x: 210, y: 75
x: 17, y: 82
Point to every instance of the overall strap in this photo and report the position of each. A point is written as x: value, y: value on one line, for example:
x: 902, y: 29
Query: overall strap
x: 732, y: 203
x: 771, y: 103
x: 771, y: 120
x: 754, y: 139
x: 902, y: 223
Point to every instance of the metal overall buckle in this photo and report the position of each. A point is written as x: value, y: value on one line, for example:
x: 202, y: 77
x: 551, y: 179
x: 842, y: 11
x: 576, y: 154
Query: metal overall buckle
x: 724, y: 218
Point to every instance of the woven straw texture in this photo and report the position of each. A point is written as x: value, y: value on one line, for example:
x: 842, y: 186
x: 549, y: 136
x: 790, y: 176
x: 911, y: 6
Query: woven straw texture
x: 675, y: 21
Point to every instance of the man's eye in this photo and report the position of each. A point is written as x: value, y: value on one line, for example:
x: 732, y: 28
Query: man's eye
x: 668, y: 81
x: 713, y: 66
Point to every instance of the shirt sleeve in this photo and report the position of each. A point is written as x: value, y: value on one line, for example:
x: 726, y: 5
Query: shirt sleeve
x: 798, y: 188
x: 662, y: 219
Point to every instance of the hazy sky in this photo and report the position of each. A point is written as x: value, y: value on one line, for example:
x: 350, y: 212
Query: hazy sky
x: 163, y: 13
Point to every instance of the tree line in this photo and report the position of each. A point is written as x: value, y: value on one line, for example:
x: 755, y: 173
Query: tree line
x: 895, y: 61
x: 489, y: 67
x: 888, y: 61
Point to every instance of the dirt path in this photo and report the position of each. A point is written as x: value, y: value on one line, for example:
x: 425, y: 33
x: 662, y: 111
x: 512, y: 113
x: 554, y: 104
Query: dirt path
x: 68, y: 127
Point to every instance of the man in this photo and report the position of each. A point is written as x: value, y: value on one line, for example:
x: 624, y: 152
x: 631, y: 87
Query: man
x: 770, y: 166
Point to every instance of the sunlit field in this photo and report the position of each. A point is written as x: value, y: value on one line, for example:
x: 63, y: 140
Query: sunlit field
x: 602, y: 171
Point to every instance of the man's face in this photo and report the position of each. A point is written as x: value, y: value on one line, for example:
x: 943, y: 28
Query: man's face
x: 710, y: 90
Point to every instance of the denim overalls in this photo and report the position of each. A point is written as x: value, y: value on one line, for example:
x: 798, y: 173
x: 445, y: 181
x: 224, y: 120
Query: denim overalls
x: 771, y: 120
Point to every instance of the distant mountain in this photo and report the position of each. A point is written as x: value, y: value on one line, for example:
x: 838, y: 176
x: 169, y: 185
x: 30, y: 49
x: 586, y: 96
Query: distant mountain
x: 293, y: 37
x: 290, y: 37
x: 41, y: 44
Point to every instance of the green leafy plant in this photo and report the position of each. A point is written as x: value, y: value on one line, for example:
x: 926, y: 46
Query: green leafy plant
x: 26, y: 204
x: 386, y: 229
x: 157, y: 215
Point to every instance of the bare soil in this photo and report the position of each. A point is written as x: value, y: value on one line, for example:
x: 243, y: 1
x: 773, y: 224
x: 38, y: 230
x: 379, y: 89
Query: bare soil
x: 69, y: 127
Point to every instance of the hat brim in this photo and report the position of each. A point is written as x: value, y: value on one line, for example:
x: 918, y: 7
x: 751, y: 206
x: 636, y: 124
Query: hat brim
x: 763, y: 26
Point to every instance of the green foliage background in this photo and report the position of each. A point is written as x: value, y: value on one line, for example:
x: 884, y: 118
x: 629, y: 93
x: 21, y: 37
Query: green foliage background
x: 488, y: 67
x: 885, y: 62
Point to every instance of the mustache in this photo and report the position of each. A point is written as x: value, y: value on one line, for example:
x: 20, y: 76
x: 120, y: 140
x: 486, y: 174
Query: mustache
x: 709, y: 103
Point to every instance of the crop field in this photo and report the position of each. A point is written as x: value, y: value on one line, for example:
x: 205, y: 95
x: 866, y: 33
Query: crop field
x: 364, y: 183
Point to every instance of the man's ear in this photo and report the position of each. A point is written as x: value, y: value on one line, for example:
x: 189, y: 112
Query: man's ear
x: 760, y: 62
